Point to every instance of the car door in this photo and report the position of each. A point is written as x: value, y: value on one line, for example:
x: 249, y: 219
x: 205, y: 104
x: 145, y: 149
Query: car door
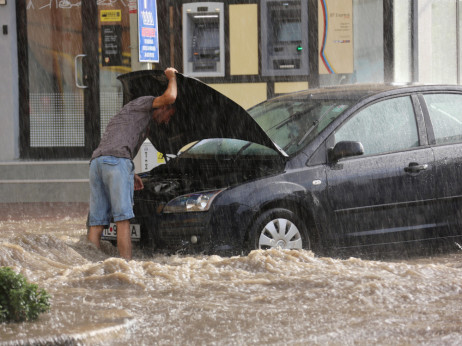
x: 385, y: 195
x: 443, y: 113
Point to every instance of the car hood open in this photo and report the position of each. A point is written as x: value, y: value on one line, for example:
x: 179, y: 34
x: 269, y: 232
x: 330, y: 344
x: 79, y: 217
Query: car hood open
x: 201, y: 112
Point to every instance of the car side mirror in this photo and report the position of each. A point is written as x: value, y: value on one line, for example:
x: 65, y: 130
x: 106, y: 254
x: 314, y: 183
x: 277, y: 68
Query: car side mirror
x: 345, y: 149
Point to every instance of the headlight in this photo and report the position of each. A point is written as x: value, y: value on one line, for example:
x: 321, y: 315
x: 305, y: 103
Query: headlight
x: 198, y: 201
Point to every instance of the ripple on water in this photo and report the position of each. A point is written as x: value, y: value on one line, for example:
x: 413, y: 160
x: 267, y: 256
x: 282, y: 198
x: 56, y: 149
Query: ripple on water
x: 267, y: 297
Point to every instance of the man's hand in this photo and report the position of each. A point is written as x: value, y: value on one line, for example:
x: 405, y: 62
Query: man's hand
x: 170, y: 72
x: 138, y: 183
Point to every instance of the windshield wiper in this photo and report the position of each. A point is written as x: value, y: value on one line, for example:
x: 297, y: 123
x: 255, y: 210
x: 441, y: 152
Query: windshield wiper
x: 315, y: 123
x: 242, y: 149
x: 311, y: 129
x: 296, y: 115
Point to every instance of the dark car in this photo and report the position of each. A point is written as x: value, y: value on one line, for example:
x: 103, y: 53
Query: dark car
x: 362, y: 167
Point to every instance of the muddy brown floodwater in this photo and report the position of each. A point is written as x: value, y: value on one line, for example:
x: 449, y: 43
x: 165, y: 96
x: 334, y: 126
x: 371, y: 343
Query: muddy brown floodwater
x: 267, y: 297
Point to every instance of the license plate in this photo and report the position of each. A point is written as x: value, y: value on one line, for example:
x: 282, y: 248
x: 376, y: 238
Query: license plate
x: 110, y: 233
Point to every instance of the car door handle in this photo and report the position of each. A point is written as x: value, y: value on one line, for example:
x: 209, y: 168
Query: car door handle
x: 414, y: 167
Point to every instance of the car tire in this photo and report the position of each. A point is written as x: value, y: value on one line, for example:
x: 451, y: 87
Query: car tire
x: 279, y: 228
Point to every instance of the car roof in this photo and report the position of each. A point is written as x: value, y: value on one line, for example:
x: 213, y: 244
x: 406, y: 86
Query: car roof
x: 357, y: 92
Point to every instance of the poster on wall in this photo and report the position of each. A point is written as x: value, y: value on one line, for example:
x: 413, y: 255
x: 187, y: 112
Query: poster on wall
x: 147, y: 31
x: 132, y: 6
x: 335, y: 36
x: 111, y: 45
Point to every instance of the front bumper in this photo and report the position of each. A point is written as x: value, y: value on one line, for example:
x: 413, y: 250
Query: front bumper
x: 217, y: 231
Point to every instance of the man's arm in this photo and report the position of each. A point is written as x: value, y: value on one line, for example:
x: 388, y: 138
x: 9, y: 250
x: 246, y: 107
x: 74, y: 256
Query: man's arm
x: 169, y: 96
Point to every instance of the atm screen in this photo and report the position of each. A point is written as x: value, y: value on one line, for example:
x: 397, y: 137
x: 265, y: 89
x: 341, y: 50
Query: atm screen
x: 289, y: 32
x: 207, y: 36
x: 206, y: 41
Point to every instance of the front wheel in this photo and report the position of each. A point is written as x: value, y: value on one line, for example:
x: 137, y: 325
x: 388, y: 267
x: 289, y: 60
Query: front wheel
x: 280, y: 228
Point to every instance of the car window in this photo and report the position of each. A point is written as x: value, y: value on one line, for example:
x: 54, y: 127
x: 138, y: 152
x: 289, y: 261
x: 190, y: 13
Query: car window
x: 445, y: 112
x: 291, y: 124
x: 382, y: 127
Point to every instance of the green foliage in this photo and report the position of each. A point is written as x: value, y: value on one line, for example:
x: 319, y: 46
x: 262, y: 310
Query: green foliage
x: 20, y: 300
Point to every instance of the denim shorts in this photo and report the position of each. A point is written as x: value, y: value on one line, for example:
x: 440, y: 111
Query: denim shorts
x: 111, y: 190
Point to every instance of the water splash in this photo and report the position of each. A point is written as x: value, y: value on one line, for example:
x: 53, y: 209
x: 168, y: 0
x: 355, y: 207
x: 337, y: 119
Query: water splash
x: 267, y: 297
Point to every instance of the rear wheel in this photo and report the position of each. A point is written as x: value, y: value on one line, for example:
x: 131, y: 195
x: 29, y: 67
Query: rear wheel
x: 280, y: 228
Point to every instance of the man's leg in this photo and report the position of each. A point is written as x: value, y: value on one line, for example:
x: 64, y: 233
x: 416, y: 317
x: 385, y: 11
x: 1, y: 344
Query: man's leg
x: 94, y: 235
x: 99, y: 213
x: 118, y: 176
x: 124, y: 241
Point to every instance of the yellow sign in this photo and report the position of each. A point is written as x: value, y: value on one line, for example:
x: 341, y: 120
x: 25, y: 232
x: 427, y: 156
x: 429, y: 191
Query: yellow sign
x: 111, y: 15
x: 160, y: 158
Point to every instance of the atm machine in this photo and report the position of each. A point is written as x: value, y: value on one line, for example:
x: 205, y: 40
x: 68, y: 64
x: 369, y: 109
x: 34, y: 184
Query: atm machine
x: 284, y: 37
x: 203, y: 39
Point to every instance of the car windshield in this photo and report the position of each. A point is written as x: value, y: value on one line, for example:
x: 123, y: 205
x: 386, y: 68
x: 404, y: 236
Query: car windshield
x: 226, y: 148
x: 293, y: 123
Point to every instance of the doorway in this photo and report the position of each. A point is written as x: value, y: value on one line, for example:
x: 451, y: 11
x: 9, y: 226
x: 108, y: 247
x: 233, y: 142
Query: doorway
x: 70, y: 54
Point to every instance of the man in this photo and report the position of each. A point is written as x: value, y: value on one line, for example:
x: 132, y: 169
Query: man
x: 112, y: 178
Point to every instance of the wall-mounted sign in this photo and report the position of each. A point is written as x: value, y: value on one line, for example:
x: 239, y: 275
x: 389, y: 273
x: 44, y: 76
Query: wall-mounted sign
x: 132, y: 6
x: 147, y: 31
x: 111, y: 45
x: 111, y: 15
x: 335, y: 30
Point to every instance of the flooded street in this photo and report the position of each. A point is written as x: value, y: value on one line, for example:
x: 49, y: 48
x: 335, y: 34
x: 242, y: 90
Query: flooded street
x: 273, y: 297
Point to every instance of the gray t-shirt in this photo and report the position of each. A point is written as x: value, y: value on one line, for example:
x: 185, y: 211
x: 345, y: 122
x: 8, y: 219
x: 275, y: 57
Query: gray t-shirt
x: 126, y: 130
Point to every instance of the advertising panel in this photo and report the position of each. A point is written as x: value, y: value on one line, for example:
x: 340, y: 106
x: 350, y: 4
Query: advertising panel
x: 335, y: 36
x: 148, y: 31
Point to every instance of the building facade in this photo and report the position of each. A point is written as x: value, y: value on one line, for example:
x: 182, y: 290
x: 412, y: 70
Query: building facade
x: 60, y: 58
